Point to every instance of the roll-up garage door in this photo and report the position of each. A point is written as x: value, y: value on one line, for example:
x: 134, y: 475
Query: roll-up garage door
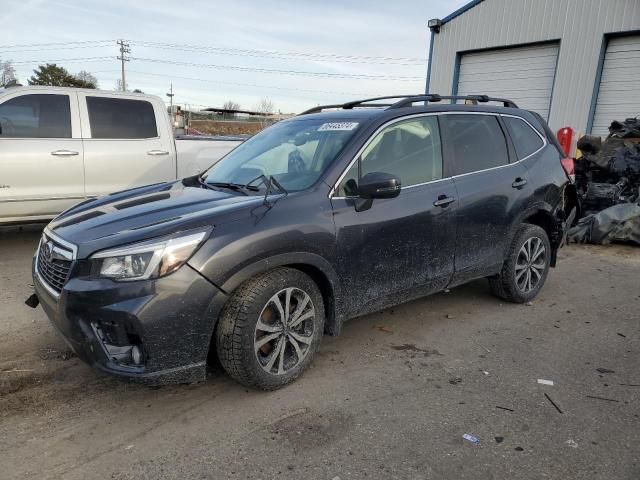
x: 619, y: 92
x: 522, y: 74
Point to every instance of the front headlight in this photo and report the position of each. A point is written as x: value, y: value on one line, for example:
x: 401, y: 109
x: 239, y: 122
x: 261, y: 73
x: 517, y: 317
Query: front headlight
x: 150, y: 259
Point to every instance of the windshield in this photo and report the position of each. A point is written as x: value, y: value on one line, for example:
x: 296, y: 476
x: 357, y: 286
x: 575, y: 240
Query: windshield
x: 296, y: 153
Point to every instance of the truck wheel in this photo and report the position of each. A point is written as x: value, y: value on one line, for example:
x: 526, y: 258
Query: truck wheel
x: 526, y: 266
x: 271, y: 328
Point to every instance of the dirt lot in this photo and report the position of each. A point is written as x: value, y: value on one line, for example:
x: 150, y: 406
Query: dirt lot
x: 390, y: 398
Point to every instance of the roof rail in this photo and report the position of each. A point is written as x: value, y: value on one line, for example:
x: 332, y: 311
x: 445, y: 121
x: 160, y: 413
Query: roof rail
x: 408, y: 100
x: 356, y: 103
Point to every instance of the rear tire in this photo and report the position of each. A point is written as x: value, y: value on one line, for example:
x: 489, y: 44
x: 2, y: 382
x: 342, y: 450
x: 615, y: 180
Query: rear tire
x: 270, y: 329
x: 526, y: 266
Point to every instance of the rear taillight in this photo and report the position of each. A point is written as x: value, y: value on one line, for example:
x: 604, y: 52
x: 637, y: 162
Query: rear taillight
x: 568, y: 166
x: 565, y: 137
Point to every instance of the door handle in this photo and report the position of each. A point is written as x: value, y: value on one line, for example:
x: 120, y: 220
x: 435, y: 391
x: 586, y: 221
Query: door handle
x: 157, y: 152
x: 519, y: 183
x: 64, y: 153
x: 443, y: 201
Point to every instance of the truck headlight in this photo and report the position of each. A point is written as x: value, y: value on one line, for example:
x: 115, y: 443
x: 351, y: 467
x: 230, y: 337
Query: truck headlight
x: 150, y: 259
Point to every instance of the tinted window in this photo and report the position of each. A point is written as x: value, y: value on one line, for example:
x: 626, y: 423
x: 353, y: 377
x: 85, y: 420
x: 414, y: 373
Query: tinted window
x: 525, y: 140
x: 121, y: 118
x: 476, y: 142
x: 36, y: 116
x: 409, y: 149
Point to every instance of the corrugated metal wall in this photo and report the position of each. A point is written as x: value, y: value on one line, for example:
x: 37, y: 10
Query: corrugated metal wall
x: 579, y: 24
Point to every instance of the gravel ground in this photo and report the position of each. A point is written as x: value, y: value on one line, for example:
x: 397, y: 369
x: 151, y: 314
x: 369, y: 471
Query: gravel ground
x: 390, y: 398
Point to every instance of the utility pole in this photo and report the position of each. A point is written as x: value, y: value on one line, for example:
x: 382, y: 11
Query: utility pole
x: 125, y: 48
x: 170, y: 95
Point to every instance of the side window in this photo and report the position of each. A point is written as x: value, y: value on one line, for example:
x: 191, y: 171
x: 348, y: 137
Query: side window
x: 525, y: 140
x: 121, y: 118
x: 476, y: 142
x: 36, y: 116
x: 409, y: 149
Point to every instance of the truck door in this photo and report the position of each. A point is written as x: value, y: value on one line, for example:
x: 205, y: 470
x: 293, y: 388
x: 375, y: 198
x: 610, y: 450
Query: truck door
x: 125, y: 144
x: 41, y: 156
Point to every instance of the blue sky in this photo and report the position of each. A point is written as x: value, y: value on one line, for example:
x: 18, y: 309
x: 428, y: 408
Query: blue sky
x: 234, y: 34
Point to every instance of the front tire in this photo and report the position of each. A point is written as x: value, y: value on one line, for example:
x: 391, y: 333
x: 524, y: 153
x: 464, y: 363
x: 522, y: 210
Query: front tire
x: 271, y: 328
x: 526, y: 266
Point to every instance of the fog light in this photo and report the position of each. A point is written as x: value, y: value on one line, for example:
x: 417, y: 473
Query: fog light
x: 136, y: 355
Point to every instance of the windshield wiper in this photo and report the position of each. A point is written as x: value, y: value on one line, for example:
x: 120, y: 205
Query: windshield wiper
x: 236, y: 187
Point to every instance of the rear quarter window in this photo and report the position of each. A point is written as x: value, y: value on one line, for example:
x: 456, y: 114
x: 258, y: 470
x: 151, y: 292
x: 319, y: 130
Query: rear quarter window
x: 120, y: 118
x: 525, y: 140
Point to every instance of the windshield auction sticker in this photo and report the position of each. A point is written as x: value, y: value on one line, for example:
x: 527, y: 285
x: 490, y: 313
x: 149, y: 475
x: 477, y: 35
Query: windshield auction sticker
x: 327, y: 127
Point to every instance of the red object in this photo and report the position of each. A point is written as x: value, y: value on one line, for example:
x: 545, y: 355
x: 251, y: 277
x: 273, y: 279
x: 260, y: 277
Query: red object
x: 569, y: 167
x: 565, y: 137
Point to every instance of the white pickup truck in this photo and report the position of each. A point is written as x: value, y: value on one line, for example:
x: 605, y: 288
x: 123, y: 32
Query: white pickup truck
x: 59, y: 146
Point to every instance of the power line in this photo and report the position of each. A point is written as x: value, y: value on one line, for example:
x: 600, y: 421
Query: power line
x: 358, y: 76
x: 333, y: 57
x: 68, y: 60
x: 238, y: 84
x: 81, y: 44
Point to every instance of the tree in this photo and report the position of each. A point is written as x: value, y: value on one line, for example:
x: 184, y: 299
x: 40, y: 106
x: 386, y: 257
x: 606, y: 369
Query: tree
x: 231, y: 105
x: 265, y: 106
x: 54, y: 76
x: 87, y: 79
x: 7, y: 73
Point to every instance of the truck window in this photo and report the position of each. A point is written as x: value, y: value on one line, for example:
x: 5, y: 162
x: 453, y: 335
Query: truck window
x: 121, y: 118
x: 36, y: 116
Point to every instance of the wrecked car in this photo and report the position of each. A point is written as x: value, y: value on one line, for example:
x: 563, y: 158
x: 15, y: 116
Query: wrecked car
x: 340, y: 211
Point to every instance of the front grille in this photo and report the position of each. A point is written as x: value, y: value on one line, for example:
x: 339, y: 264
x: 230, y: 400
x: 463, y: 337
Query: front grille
x: 54, y: 263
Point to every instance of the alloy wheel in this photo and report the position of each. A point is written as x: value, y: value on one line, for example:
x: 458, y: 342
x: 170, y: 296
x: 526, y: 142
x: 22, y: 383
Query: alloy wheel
x: 284, y: 331
x: 530, y: 264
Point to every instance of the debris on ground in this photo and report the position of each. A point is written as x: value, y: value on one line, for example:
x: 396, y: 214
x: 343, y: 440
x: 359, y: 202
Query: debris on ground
x: 553, y: 403
x: 499, y: 439
x: 604, y: 370
x: 572, y: 443
x: 542, y: 381
x: 455, y: 381
x: 505, y: 408
x: 608, y: 186
x: 382, y: 328
x: 603, y: 398
x: 619, y: 223
x: 471, y: 438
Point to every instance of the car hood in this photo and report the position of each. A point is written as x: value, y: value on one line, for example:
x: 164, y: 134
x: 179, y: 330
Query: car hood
x: 147, y: 212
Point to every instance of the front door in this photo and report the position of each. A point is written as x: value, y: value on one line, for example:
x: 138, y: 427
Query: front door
x: 41, y: 156
x: 126, y: 143
x: 400, y: 245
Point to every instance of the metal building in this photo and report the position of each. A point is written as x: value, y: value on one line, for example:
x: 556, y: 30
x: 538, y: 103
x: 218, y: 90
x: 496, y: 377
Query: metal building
x: 576, y: 62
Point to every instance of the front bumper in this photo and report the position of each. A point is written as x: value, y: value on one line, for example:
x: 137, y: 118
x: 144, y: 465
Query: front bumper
x: 172, y: 318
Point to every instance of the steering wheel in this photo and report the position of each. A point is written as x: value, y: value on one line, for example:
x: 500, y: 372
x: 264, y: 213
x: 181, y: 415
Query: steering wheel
x: 9, y: 123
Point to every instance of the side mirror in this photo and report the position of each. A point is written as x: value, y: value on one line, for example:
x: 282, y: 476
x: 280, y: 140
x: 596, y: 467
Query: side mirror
x: 379, y: 185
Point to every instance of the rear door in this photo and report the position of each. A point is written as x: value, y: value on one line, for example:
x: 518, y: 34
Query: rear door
x: 492, y: 188
x: 400, y: 244
x: 125, y: 143
x: 41, y: 155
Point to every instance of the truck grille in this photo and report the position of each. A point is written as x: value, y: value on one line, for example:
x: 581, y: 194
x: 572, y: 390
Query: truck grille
x: 54, y: 263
